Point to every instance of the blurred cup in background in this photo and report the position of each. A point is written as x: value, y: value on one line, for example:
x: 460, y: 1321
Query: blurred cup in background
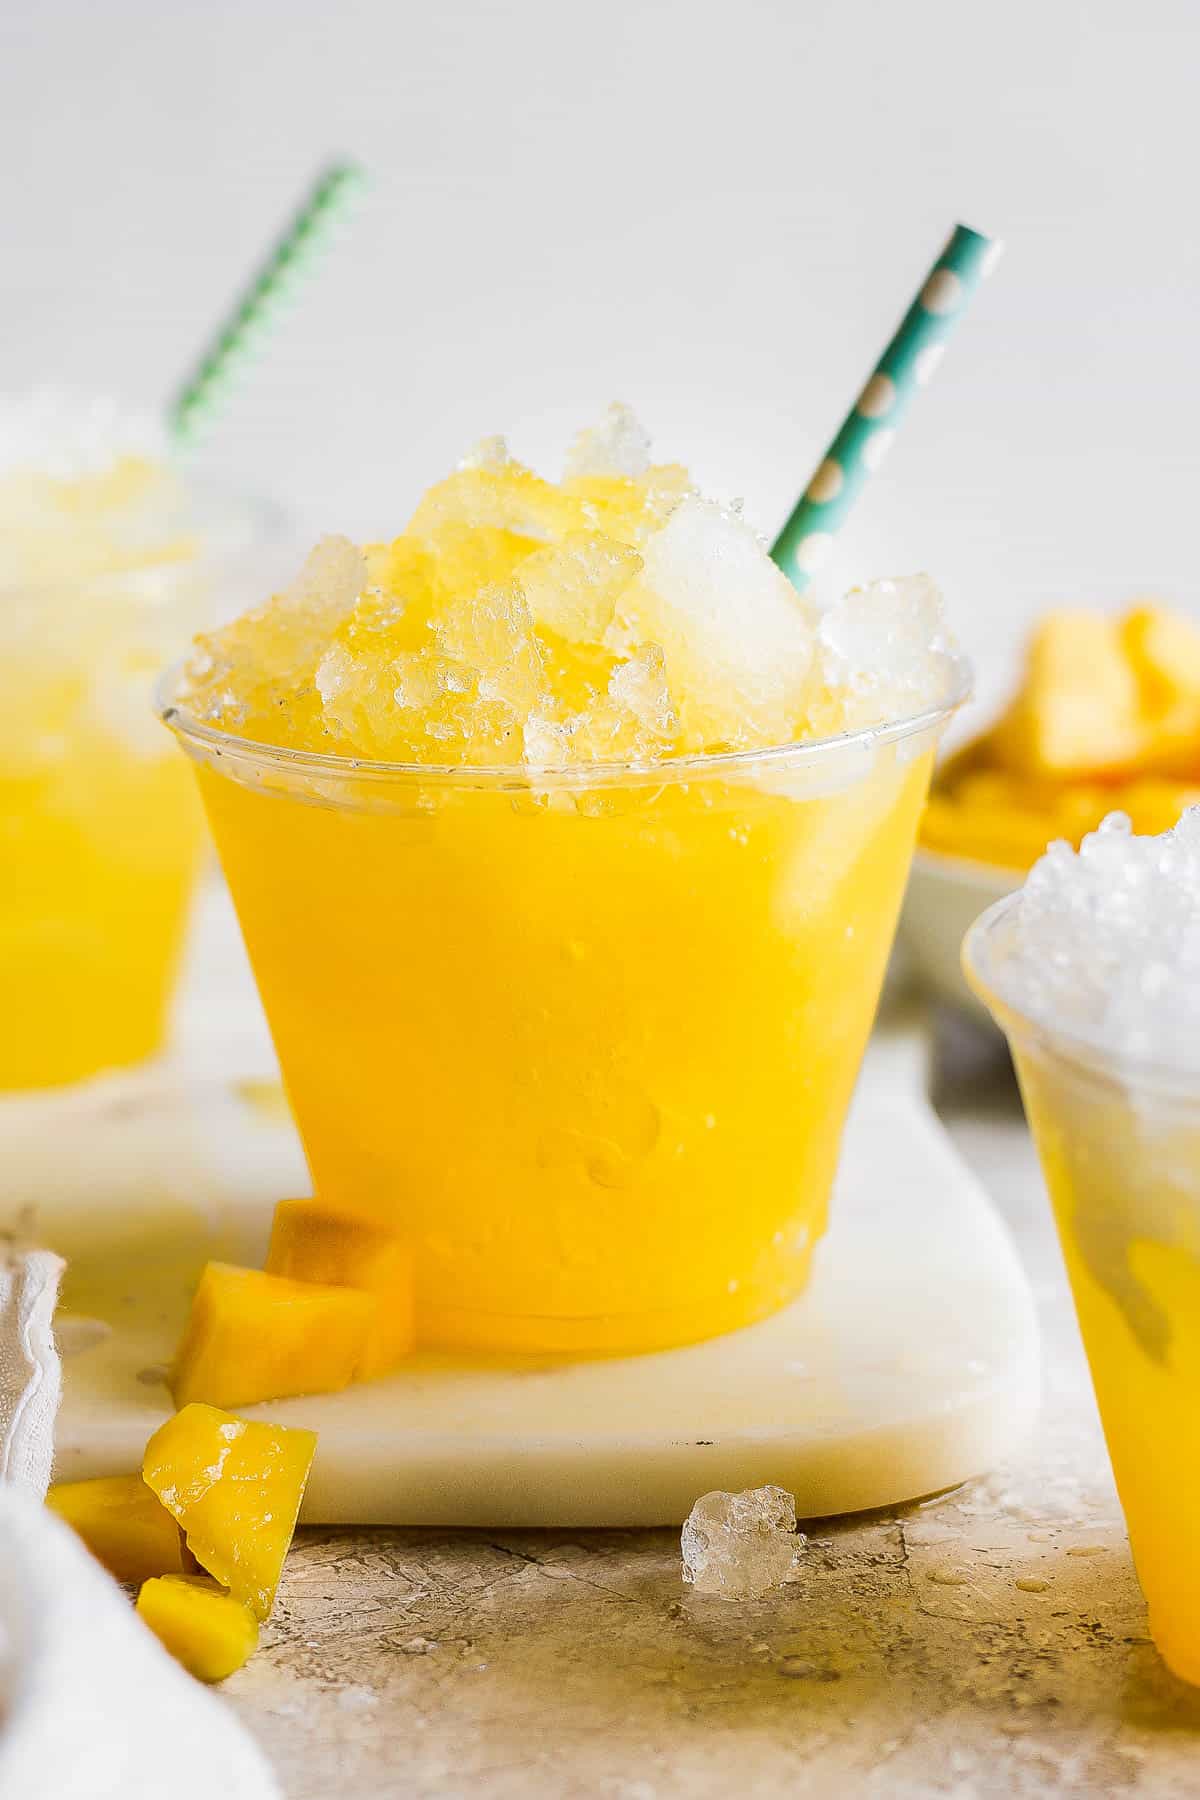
x: 106, y: 571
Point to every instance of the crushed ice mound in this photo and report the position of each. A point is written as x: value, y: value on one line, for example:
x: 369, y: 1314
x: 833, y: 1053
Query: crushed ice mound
x: 86, y: 490
x: 55, y: 432
x: 614, y: 617
x: 741, y: 1546
x: 1104, y: 943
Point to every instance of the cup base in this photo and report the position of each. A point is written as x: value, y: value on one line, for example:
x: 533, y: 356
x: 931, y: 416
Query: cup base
x: 1179, y: 1650
x: 613, y: 1334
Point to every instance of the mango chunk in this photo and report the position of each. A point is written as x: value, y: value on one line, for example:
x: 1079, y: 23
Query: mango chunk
x: 1164, y: 650
x: 1007, y: 836
x: 235, y: 1486
x: 992, y: 817
x: 1106, y: 697
x: 1078, y: 711
x: 123, y: 1523
x: 313, y: 1242
x: 1107, y: 720
x: 203, y: 1627
x: 253, y: 1336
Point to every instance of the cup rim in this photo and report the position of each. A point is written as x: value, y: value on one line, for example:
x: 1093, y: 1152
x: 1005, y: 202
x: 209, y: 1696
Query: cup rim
x: 1081, y: 1050
x: 194, y: 732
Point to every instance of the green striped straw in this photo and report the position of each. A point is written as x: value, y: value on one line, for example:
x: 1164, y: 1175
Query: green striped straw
x: 240, y: 333
x: 868, y: 430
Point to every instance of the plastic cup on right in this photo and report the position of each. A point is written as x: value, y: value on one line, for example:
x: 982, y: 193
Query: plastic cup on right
x: 1119, y: 1141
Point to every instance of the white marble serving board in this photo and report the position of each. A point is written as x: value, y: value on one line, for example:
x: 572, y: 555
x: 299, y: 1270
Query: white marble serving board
x: 909, y: 1365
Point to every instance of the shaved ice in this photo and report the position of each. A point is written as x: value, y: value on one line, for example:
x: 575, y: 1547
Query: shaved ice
x: 617, y: 616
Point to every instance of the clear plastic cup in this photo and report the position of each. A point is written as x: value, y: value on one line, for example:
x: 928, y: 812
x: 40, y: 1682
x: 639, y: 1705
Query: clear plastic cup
x: 587, y: 1039
x: 1119, y: 1142
x: 101, y: 835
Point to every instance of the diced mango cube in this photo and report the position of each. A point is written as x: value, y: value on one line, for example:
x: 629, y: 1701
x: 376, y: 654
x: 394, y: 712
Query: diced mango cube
x: 123, y: 1523
x: 1078, y: 711
x: 1164, y: 649
x: 235, y: 1486
x: 1108, y: 720
x: 203, y: 1627
x: 313, y: 1242
x: 252, y: 1336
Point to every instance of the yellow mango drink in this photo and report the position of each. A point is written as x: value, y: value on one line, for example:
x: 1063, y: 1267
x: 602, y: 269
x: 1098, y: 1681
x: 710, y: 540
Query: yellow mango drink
x: 567, y: 842
x: 104, y: 576
x: 1093, y: 970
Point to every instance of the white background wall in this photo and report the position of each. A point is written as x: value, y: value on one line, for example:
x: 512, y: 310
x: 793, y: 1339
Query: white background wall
x: 714, y: 211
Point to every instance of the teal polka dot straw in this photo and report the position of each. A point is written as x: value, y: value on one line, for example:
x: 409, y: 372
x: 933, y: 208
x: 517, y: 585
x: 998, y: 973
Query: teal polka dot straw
x: 868, y: 430
x: 240, y: 334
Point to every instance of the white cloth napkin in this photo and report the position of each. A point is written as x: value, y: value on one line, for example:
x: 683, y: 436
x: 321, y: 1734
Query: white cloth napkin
x: 91, y: 1706
x: 30, y: 1377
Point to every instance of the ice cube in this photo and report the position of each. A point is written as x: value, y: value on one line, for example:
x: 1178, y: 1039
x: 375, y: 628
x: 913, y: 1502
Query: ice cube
x: 369, y: 704
x: 547, y: 742
x: 631, y: 508
x: 355, y: 698
x: 573, y: 587
x: 268, y: 658
x: 740, y: 1546
x: 488, y: 453
x: 469, y: 557
x: 503, y: 495
x: 330, y: 580
x: 632, y: 721
x: 335, y: 673
x: 639, y: 687
x: 282, y: 642
x: 887, y: 646
x: 619, y: 445
x: 738, y: 640
x: 493, y: 635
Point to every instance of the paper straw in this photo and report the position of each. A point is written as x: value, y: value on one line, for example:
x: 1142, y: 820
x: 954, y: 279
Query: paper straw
x: 243, y: 329
x: 870, y: 426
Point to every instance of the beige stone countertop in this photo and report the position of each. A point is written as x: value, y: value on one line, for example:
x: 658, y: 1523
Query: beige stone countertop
x: 988, y: 1643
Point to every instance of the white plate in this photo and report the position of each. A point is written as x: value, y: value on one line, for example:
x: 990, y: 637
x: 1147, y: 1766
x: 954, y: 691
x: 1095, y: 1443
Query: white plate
x: 910, y: 1364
